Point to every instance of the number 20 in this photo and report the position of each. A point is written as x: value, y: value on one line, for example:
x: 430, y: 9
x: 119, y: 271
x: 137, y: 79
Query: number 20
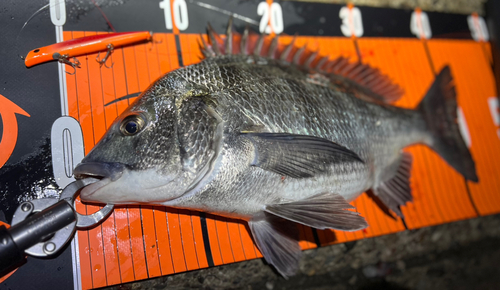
x: 271, y: 14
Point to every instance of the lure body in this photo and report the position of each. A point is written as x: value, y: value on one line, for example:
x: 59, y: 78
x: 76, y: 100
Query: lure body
x: 84, y: 45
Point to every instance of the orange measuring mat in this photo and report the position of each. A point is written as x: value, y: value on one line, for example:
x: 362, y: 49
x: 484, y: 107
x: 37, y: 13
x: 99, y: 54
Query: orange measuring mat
x: 434, y: 182
x: 474, y: 87
x: 84, y: 45
x: 140, y: 242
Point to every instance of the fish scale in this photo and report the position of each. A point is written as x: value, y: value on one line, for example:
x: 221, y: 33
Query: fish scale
x: 341, y: 123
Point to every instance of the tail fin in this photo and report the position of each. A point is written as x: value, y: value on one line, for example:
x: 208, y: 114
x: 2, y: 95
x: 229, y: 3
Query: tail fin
x: 439, y: 109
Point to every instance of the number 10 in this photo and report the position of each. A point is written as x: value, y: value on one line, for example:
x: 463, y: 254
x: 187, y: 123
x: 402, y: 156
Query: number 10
x: 180, y: 14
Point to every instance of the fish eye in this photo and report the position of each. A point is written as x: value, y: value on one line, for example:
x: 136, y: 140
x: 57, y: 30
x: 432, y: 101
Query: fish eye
x: 132, y: 125
x: 36, y: 50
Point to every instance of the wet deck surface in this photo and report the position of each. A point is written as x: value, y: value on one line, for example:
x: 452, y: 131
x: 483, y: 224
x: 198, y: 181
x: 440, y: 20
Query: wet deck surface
x: 460, y: 255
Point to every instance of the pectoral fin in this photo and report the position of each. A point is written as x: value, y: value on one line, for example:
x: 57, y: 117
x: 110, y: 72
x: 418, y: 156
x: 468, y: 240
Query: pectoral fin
x: 324, y: 211
x: 297, y: 156
x: 275, y: 240
x: 395, y: 190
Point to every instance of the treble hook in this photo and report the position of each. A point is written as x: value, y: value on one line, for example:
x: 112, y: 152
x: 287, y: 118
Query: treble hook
x: 110, y: 50
x: 65, y: 59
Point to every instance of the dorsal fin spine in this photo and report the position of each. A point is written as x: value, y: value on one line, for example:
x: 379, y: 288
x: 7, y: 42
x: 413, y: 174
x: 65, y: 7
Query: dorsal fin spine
x: 359, y: 73
x: 244, y: 42
x: 213, y: 39
x: 273, y: 48
x: 354, y: 74
x: 363, y: 73
x: 258, y: 46
x: 298, y: 54
x: 321, y: 63
x: 288, y: 49
x: 310, y: 59
x: 229, y: 39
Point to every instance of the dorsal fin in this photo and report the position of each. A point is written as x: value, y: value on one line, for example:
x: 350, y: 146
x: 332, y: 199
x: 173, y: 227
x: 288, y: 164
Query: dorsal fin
x: 368, y: 77
x: 379, y: 87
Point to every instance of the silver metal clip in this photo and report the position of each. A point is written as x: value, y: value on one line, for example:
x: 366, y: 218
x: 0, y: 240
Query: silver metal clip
x: 84, y: 221
x: 53, y: 221
x: 45, y: 227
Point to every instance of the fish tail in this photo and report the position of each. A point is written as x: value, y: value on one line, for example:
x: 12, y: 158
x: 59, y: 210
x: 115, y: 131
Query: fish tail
x: 439, y: 109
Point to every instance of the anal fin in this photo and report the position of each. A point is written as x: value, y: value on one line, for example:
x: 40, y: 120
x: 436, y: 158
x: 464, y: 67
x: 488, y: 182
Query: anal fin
x: 395, y: 190
x: 323, y: 211
x: 275, y: 240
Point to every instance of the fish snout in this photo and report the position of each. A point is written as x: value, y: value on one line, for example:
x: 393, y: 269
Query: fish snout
x: 111, y: 170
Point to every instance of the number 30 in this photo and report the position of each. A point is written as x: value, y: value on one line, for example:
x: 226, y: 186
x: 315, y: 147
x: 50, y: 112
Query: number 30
x: 352, y: 23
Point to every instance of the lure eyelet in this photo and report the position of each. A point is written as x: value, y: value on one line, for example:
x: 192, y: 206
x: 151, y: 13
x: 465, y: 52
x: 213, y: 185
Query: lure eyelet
x: 132, y: 125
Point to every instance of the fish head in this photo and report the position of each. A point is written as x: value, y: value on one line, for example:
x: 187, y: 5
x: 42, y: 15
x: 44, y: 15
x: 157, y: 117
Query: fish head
x: 155, y: 151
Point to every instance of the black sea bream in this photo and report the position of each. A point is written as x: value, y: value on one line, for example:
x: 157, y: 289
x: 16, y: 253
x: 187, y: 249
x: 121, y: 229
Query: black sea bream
x: 288, y: 136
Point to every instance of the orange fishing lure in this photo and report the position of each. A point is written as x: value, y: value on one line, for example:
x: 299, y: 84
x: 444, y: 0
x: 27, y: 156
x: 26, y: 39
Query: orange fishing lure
x: 63, y: 51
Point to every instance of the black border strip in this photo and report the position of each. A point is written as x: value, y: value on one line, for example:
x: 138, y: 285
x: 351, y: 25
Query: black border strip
x: 206, y: 239
x: 179, y: 50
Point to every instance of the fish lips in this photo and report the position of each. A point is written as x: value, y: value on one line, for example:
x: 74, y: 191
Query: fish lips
x: 107, y: 171
x: 111, y: 170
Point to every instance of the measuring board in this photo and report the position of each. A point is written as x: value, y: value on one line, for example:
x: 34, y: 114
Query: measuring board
x: 140, y: 242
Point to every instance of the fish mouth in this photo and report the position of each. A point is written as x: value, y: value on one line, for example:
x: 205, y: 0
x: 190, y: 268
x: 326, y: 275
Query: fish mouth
x: 100, y: 170
x: 107, y: 172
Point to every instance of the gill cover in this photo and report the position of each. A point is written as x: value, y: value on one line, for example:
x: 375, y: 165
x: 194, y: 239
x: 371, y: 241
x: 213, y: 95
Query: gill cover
x: 200, y: 135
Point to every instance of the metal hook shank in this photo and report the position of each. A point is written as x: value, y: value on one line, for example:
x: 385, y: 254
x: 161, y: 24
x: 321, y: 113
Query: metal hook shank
x: 110, y: 50
x: 65, y: 59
